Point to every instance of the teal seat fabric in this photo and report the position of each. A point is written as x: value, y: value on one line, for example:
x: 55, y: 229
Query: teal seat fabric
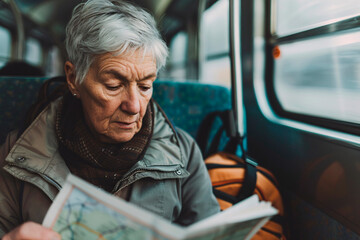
x: 187, y: 103
x: 16, y: 96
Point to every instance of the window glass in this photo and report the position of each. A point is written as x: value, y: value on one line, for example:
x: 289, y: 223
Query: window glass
x: 54, y: 64
x: 33, y: 53
x: 178, y: 48
x: 176, y: 65
x: 217, y: 72
x: 321, y: 76
x: 215, y: 44
x: 299, y: 15
x: 5, y: 46
x: 216, y: 28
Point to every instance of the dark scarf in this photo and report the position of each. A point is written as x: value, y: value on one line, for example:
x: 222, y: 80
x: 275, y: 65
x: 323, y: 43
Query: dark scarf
x: 102, y: 164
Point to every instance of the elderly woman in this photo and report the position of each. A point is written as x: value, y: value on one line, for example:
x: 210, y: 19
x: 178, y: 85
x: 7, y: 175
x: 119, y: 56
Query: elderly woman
x: 106, y: 130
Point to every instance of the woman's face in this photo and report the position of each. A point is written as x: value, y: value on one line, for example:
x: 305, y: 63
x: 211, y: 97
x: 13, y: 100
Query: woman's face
x: 115, y: 94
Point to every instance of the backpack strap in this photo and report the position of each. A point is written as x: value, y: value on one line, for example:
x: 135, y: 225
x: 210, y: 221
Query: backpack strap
x: 214, y: 146
x: 250, y: 179
x: 224, y: 196
x: 234, y: 140
x: 247, y: 188
x: 228, y: 125
x: 203, y: 134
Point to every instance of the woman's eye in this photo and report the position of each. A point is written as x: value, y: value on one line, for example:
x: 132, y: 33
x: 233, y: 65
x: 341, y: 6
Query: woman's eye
x: 145, y: 88
x: 112, y: 88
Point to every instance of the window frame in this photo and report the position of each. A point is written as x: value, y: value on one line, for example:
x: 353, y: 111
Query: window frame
x: 273, y: 40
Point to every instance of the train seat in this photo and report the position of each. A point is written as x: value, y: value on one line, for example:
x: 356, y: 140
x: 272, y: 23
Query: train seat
x: 185, y: 104
x: 16, y: 96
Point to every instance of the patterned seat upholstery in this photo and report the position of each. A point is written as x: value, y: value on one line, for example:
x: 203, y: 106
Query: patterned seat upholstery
x: 186, y: 103
x: 16, y: 96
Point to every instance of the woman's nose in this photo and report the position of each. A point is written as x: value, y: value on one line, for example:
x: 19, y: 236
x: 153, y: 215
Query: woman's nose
x: 131, y: 101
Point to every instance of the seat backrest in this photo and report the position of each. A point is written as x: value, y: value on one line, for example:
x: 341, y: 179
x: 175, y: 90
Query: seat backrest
x: 17, y: 94
x: 187, y: 103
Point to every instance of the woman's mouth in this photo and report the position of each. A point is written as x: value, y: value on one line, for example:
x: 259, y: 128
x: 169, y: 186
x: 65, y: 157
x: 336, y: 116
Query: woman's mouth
x: 126, y: 125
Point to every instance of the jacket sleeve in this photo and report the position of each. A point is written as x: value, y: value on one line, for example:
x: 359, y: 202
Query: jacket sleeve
x: 198, y: 201
x: 9, y: 191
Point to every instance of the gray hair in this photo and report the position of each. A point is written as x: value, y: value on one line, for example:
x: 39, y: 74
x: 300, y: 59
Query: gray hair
x: 102, y: 26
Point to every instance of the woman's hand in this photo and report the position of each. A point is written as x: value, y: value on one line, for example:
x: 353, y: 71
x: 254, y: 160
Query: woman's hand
x: 31, y: 230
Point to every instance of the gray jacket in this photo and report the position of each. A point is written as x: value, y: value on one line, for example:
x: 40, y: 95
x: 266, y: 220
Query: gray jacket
x: 171, y: 180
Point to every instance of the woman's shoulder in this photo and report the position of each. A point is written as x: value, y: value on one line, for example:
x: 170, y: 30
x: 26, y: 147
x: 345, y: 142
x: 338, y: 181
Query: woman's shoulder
x: 185, y: 137
x: 190, y: 151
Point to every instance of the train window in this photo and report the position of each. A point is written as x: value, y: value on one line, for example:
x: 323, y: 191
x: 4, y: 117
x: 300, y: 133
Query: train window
x: 177, y: 56
x: 315, y: 70
x: 33, y: 51
x: 54, y: 63
x: 215, y: 40
x: 299, y: 15
x: 178, y: 49
x: 320, y: 77
x: 5, y: 46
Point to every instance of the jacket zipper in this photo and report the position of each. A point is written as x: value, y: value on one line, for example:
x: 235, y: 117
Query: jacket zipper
x: 51, y: 181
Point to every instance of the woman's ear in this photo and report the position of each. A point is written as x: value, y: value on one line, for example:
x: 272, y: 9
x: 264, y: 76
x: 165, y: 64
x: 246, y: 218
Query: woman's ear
x: 70, y: 78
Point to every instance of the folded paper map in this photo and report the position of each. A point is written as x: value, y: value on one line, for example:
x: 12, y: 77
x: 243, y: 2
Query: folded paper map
x: 83, y: 211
